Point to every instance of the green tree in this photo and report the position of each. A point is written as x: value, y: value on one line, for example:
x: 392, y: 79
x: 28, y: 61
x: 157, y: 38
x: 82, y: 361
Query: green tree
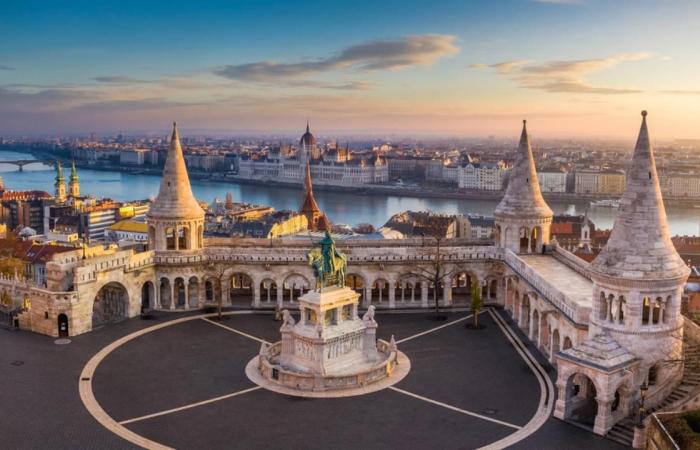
x: 477, y: 302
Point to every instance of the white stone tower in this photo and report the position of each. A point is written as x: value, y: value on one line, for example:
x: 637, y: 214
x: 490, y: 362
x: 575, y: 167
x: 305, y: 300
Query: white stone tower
x: 523, y: 218
x: 175, y: 219
x: 638, y: 278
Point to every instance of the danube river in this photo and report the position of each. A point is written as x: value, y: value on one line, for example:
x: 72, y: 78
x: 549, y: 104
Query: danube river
x: 341, y: 208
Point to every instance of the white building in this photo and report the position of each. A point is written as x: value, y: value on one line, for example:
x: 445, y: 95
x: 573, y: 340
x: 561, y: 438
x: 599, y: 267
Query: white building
x: 482, y: 176
x: 552, y: 181
x: 134, y: 156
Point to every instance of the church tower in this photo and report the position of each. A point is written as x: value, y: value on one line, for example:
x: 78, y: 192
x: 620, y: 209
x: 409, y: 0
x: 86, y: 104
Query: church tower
x: 639, y: 277
x: 317, y: 220
x: 74, y: 183
x: 59, y: 184
x: 523, y: 218
x: 308, y: 150
x: 175, y: 219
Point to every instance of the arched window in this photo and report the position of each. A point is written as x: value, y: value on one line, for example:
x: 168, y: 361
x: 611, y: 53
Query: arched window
x: 603, y: 306
x: 611, y: 304
x: 623, y: 307
x: 656, y: 313
x: 652, y: 376
x: 646, y: 306
x: 169, y: 239
x: 183, y: 238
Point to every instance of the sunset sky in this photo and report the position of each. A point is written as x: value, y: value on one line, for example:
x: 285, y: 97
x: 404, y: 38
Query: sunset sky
x: 574, y: 68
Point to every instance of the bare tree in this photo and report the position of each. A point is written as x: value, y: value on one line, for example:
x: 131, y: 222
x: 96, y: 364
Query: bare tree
x: 436, y: 271
x: 477, y: 302
x: 217, y: 270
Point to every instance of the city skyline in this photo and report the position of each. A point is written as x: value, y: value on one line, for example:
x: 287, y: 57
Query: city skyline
x: 453, y: 68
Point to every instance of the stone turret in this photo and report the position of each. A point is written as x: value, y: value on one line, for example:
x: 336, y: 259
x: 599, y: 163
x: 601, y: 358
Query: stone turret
x: 74, y: 183
x: 639, y: 277
x: 59, y: 184
x: 175, y: 219
x: 523, y: 218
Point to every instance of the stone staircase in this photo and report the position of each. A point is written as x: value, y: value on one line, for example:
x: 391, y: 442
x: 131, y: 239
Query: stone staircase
x: 623, y: 431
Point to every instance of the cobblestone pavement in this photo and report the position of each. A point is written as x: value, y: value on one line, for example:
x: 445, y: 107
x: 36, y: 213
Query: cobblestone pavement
x: 472, y: 371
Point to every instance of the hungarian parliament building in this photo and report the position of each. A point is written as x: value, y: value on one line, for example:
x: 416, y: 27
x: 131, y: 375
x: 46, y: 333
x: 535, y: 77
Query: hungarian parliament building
x: 331, y: 167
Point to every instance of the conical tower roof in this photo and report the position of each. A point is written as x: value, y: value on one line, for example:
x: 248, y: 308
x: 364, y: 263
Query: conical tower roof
x: 175, y: 199
x: 523, y: 198
x: 73, y: 173
x: 640, y: 246
x: 59, y: 172
x: 309, y: 204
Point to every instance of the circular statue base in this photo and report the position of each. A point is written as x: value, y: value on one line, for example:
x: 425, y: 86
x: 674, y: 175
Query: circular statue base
x: 398, y: 372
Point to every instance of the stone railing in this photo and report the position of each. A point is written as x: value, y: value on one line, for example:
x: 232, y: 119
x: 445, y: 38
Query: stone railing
x: 658, y: 436
x: 309, y: 382
x: 570, y: 309
x: 572, y: 261
x: 342, y: 243
x: 140, y: 260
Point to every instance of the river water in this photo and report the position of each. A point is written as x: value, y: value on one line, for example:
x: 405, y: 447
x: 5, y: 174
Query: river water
x: 341, y: 208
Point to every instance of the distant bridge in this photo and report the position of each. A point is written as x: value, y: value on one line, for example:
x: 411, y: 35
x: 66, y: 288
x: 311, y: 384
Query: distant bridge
x: 24, y: 162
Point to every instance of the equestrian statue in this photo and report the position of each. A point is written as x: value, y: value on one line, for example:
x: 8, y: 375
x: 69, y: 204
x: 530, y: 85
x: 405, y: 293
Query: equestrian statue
x: 328, y: 264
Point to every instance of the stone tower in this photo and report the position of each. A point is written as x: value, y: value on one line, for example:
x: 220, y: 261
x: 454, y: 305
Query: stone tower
x: 638, y: 277
x: 74, y: 183
x: 59, y: 184
x: 317, y: 220
x: 523, y: 218
x: 175, y: 219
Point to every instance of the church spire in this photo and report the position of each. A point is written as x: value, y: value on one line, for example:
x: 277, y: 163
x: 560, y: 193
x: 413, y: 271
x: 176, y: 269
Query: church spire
x: 175, y: 199
x: 74, y: 183
x: 640, y: 246
x: 60, y: 184
x: 317, y: 220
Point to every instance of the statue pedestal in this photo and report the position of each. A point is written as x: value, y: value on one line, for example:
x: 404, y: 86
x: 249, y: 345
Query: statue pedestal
x: 330, y: 347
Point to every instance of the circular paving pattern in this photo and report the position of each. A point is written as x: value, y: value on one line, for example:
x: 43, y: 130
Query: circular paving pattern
x: 182, y: 383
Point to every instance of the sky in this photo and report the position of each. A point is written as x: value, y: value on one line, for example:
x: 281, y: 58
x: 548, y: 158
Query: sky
x: 573, y: 68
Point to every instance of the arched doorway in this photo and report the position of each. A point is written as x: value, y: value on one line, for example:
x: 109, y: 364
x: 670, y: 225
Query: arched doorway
x: 524, y: 240
x: 525, y: 314
x: 147, y: 296
x: 535, y: 240
x: 555, y: 343
x: 582, y: 406
x: 567, y: 343
x: 212, y: 290
x: 180, y: 293
x: 63, y: 330
x: 535, y: 327
x: 111, y: 304
x: 241, y: 290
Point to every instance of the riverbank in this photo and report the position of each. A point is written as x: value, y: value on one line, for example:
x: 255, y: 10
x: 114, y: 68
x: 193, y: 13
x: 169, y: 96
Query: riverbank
x: 428, y: 192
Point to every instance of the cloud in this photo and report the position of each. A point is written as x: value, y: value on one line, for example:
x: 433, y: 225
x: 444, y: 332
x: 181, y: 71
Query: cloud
x: 681, y: 91
x: 6, y: 68
x: 564, y: 76
x: 418, y: 50
x: 118, y: 79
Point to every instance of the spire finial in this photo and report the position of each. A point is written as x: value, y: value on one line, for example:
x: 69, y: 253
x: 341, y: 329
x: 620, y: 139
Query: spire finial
x: 644, y: 113
x: 307, y: 125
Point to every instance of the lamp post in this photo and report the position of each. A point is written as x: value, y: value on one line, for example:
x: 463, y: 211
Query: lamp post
x: 642, y: 393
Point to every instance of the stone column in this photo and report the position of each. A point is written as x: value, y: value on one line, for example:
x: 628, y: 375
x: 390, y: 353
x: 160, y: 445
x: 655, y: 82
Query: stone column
x: 604, y: 419
x: 368, y: 297
x: 186, y: 286
x: 172, y: 295
x: 424, y: 294
x: 201, y: 292
x: 369, y: 340
x: 156, y: 295
x: 256, y: 296
x: 447, y: 291
x: 392, y: 295
x: 225, y: 292
x: 280, y: 295
x: 563, y: 403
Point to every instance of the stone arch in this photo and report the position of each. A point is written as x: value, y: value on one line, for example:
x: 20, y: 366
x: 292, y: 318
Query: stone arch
x: 111, y: 304
x: 179, y: 292
x: 407, y: 289
x: 294, y: 286
x: 268, y: 291
x: 240, y: 289
x: 623, y: 309
x: 535, y: 239
x: 492, y: 290
x: 165, y: 293
x: 646, y: 310
x: 183, y: 237
x: 657, y: 311
x: 525, y: 314
x: 356, y: 282
x: 602, y: 306
x: 555, y: 342
x: 193, y: 287
x: 534, y: 335
x: 567, y: 343
x: 200, y: 236
x: 496, y: 234
x: 462, y: 285
x: 380, y: 291
x: 212, y: 289
x: 524, y: 236
x: 63, y: 325
x: 581, y: 403
x: 147, y: 296
x: 170, y: 241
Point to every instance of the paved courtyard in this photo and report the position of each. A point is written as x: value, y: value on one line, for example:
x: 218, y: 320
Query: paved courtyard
x: 183, y: 386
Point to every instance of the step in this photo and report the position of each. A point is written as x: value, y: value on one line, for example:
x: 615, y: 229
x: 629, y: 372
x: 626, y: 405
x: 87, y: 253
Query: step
x: 623, y: 439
